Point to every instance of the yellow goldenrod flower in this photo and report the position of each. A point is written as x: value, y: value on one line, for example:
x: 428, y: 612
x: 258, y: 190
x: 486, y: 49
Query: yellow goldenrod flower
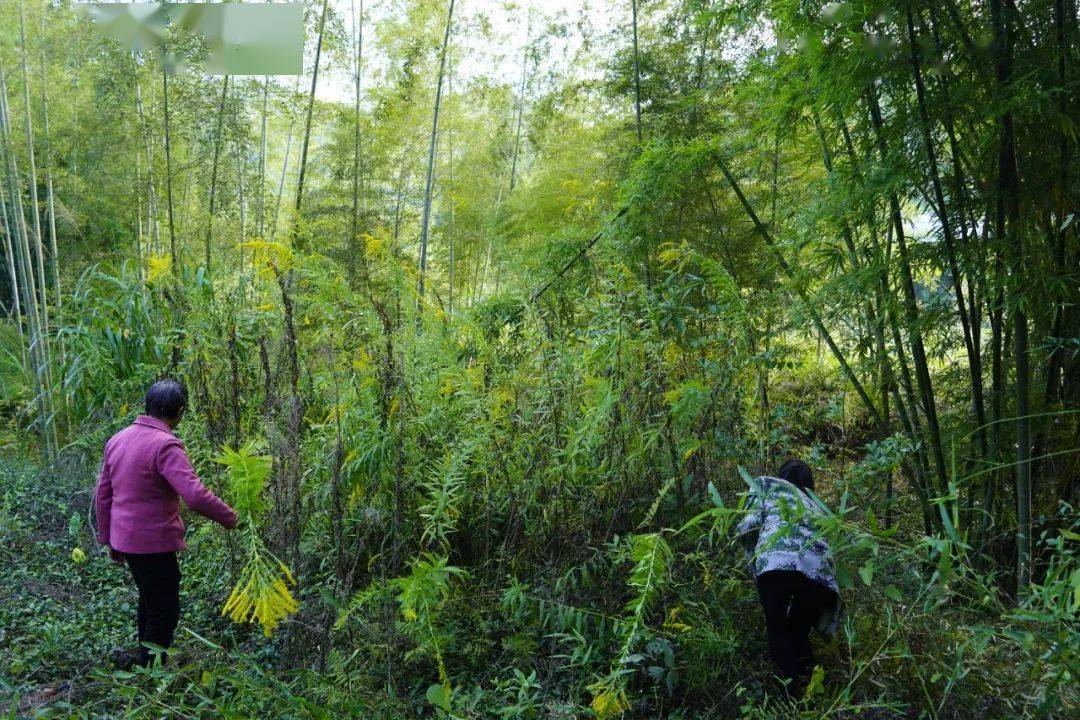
x: 610, y: 703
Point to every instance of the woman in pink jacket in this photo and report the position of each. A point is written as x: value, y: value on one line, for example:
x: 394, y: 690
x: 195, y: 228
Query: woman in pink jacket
x: 144, y: 473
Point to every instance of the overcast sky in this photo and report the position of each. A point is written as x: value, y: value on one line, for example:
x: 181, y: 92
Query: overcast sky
x: 508, y: 21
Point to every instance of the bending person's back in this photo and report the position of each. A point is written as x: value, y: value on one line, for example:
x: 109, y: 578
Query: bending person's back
x: 793, y: 568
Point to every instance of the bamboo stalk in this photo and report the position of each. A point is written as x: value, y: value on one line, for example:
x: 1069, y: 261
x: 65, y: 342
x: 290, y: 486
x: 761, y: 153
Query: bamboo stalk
x: 637, y: 73
x: 911, y: 311
x: 151, y: 193
x: 261, y: 197
x: 284, y: 169
x: 139, y: 240
x: 354, y: 218
x: 450, y: 184
x: 175, y: 260
x: 214, y: 172
x: 45, y: 359
x: 240, y: 200
x: 1008, y: 230
x: 946, y: 231
x: 24, y: 259
x: 521, y: 105
x: 13, y: 281
x: 49, y: 174
x: 425, y: 224
x: 39, y: 251
x: 493, y: 216
x: 307, y: 127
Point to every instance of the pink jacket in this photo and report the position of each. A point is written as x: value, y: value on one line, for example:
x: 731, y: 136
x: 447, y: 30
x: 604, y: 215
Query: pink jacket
x: 143, y: 474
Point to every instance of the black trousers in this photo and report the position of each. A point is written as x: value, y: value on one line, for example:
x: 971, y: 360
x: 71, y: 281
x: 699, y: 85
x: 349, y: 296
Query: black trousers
x: 792, y: 604
x: 157, y: 575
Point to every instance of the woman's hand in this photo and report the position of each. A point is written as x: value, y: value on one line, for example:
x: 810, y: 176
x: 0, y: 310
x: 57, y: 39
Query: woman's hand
x: 116, y: 556
x: 231, y: 524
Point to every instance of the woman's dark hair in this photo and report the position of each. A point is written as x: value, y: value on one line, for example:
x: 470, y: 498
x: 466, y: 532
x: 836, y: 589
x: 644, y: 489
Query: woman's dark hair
x: 166, y: 399
x: 796, y: 472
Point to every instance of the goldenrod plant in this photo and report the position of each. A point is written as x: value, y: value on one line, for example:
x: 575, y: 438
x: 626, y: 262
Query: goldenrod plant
x: 261, y: 593
x: 652, y: 556
x: 421, y: 595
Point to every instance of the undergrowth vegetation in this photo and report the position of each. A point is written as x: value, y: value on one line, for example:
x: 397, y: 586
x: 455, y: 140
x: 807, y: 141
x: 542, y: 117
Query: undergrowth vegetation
x: 492, y: 522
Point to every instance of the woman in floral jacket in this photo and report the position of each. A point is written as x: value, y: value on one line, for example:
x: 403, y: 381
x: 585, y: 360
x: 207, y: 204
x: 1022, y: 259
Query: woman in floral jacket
x: 793, y: 566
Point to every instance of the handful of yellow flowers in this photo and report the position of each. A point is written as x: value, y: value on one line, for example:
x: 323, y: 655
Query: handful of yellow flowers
x: 262, y: 593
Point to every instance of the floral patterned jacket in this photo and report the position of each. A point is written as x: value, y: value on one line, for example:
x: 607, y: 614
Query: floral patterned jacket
x: 779, y: 533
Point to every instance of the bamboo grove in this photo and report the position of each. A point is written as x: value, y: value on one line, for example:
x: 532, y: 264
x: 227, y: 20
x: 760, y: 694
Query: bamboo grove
x: 485, y: 339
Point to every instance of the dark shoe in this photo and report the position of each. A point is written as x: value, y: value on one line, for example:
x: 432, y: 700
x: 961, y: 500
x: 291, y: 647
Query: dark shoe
x: 124, y: 659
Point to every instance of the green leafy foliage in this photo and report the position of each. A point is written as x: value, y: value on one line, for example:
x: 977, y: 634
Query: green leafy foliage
x: 247, y: 473
x: 515, y: 491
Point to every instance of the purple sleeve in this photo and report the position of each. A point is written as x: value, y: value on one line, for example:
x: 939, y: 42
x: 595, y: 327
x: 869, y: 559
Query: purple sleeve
x: 174, y: 466
x: 103, y: 499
